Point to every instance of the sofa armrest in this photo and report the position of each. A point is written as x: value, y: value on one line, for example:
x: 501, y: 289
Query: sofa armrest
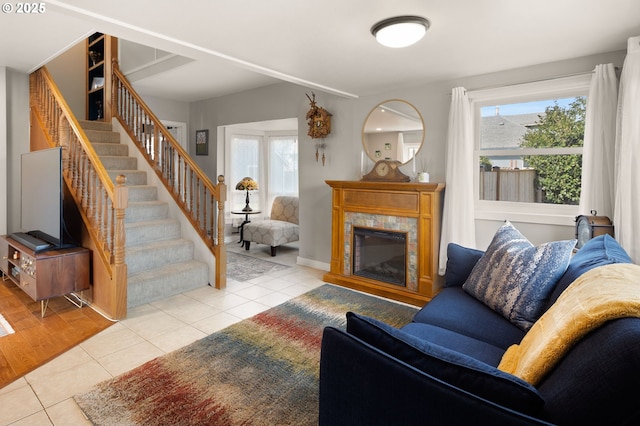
x: 360, y: 385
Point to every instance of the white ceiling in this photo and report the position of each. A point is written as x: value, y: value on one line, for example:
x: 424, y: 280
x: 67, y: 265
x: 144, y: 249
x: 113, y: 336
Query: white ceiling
x: 326, y: 46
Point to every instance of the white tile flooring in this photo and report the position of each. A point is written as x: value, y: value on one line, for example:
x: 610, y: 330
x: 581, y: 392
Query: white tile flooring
x: 44, y: 396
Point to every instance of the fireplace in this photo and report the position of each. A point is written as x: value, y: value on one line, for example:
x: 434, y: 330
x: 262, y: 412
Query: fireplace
x: 385, y: 238
x: 380, y: 255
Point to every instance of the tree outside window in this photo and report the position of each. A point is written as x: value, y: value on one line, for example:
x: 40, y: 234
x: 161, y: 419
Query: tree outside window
x: 533, y: 157
x: 558, y: 176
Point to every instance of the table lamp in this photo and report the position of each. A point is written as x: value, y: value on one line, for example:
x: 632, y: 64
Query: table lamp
x: 247, y: 184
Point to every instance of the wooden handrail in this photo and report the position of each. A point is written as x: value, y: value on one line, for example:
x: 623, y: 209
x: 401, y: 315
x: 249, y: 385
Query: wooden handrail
x: 201, y: 201
x: 101, y: 203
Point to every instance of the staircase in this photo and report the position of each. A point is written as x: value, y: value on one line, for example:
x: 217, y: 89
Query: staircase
x: 160, y: 262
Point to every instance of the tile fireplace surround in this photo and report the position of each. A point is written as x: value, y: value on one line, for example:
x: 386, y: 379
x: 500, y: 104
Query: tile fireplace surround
x: 411, y: 208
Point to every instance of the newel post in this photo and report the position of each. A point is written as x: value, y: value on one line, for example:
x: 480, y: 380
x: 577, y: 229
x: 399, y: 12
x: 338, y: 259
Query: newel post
x: 220, y: 250
x: 119, y: 294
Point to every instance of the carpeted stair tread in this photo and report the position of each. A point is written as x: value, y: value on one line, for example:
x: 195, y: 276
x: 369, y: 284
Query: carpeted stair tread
x: 95, y: 125
x: 116, y: 162
x: 146, y: 210
x: 165, y: 281
x: 103, y: 136
x: 157, y: 253
x: 134, y: 177
x: 151, y: 230
x: 139, y: 193
x: 114, y: 149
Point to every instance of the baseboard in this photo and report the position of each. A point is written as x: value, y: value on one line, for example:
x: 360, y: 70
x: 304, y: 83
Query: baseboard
x: 322, y: 266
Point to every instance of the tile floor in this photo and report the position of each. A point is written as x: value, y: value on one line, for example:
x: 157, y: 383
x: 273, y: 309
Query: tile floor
x: 44, y: 396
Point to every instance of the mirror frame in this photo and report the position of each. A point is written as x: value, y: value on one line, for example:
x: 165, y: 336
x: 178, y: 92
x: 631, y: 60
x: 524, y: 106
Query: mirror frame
x: 369, y: 117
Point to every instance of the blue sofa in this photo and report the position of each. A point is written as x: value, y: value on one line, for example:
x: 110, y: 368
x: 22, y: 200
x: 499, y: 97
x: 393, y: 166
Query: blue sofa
x: 441, y: 369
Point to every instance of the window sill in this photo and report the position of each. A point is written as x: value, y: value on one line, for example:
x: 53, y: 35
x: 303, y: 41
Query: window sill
x: 526, y: 213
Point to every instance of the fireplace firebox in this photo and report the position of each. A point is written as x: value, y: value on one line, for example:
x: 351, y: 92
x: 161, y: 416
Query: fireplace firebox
x: 380, y: 255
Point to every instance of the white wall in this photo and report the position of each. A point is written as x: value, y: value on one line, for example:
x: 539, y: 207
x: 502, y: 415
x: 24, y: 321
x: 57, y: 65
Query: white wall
x: 68, y: 72
x: 14, y: 96
x: 169, y: 110
x: 344, y: 145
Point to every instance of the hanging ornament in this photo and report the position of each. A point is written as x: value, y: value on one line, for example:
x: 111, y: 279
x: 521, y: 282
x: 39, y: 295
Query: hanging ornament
x: 318, y: 119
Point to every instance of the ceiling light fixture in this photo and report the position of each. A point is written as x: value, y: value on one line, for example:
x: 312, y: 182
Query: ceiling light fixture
x: 400, y: 31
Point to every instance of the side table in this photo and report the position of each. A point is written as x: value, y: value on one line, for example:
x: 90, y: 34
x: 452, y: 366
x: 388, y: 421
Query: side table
x: 246, y: 220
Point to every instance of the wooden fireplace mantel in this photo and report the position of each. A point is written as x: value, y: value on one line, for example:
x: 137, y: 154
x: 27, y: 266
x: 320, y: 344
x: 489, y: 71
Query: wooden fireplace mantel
x: 415, y: 206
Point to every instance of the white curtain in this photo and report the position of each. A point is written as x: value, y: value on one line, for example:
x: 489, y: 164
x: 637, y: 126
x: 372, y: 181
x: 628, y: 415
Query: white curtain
x: 458, y: 221
x: 598, y: 159
x: 627, y: 195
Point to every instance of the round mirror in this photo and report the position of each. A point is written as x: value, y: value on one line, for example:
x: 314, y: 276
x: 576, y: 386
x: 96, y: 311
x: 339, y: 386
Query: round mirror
x: 393, y: 130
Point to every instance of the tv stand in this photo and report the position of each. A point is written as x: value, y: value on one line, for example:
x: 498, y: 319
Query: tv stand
x: 46, y: 274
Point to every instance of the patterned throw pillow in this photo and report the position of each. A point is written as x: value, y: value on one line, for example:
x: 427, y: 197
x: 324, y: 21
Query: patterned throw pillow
x: 514, y: 278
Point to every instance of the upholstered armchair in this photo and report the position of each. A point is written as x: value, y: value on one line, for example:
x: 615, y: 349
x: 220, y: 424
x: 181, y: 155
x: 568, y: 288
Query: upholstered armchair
x: 280, y: 228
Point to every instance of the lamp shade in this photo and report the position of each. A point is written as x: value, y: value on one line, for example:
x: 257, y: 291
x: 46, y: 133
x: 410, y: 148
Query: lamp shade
x: 247, y: 183
x: 400, y: 31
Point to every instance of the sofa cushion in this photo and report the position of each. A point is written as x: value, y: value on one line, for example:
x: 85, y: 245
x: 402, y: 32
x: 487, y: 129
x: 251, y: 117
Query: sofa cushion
x: 457, y: 311
x: 599, y: 251
x: 460, y: 263
x: 516, y: 278
x: 454, y: 368
x: 474, y: 348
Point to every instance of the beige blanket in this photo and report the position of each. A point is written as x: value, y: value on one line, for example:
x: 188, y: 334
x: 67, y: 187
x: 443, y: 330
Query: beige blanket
x: 599, y: 295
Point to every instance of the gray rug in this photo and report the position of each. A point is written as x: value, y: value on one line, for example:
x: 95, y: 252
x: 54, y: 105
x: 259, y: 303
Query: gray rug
x: 244, y: 268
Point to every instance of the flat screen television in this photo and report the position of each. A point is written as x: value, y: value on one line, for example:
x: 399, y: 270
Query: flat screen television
x: 42, y: 194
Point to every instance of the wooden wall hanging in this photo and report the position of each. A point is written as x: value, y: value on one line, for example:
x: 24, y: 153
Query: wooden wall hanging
x: 319, y: 121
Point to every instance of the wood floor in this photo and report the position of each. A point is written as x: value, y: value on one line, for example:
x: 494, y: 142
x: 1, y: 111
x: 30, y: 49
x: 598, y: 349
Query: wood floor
x: 37, y: 340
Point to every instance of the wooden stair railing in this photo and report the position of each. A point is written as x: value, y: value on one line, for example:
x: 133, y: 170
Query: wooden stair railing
x: 101, y: 203
x: 201, y: 201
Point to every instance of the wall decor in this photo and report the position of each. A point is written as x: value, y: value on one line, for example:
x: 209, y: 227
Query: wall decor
x: 319, y: 121
x: 395, y: 130
x: 202, y: 142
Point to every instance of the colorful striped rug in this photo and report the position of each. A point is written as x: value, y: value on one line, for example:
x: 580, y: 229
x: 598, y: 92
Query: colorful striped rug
x: 5, y: 327
x: 260, y: 371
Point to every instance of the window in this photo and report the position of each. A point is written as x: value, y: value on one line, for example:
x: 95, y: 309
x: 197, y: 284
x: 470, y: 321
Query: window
x: 528, y: 142
x: 283, y: 166
x: 244, y: 156
x: 271, y: 159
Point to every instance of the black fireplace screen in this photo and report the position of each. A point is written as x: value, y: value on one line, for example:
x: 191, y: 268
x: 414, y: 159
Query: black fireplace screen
x: 380, y: 255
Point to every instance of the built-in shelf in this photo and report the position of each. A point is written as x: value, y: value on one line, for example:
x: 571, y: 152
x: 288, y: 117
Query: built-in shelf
x: 101, y: 49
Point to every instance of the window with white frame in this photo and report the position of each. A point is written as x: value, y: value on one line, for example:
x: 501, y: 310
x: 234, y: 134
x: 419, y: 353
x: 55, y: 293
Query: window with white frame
x: 244, y: 156
x: 271, y: 159
x: 283, y: 166
x: 528, y: 149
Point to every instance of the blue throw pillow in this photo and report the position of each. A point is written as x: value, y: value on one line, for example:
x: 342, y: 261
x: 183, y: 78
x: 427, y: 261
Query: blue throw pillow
x: 460, y: 263
x: 457, y: 369
x: 516, y: 278
x: 599, y: 251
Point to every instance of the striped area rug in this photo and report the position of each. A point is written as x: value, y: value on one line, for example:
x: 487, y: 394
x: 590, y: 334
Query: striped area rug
x: 260, y: 371
x: 5, y: 327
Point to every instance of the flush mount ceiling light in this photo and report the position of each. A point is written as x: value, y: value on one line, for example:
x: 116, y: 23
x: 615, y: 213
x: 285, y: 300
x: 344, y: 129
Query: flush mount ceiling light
x: 400, y: 31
